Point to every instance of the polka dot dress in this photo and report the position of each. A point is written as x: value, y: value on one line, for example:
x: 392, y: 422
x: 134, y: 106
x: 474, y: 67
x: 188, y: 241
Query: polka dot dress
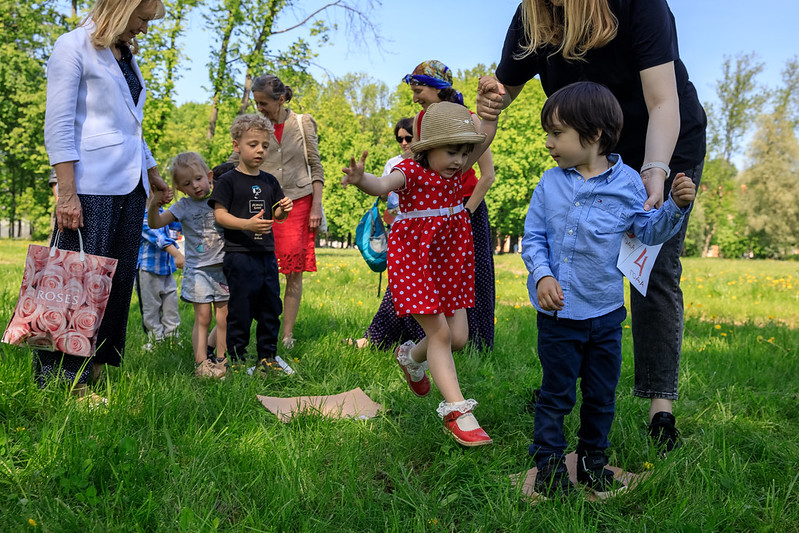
x: 430, y: 259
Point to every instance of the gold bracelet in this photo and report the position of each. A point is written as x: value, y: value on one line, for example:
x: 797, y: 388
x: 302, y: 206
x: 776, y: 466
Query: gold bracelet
x: 277, y: 204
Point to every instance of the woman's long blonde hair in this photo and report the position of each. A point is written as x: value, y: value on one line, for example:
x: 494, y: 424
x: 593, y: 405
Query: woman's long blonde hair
x: 111, y: 16
x: 573, y: 28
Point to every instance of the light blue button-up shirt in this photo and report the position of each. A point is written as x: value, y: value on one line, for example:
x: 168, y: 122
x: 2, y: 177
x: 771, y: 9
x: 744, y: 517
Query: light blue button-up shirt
x: 573, y: 232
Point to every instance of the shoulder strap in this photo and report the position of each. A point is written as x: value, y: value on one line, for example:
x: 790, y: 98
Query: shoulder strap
x: 304, y: 144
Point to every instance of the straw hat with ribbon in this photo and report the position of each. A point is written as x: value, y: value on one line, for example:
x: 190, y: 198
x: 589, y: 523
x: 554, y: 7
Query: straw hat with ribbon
x: 446, y: 123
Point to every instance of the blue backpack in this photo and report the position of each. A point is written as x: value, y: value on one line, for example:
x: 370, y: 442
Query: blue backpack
x: 371, y: 239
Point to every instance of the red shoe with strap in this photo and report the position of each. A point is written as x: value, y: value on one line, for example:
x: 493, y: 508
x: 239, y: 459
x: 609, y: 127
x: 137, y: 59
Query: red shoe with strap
x: 411, y: 369
x: 474, y: 437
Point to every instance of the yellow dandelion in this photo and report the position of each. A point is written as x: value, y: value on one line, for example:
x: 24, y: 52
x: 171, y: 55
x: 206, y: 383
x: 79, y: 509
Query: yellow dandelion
x: 360, y: 302
x: 648, y: 465
x: 717, y: 326
x: 516, y: 306
x: 723, y: 334
x: 32, y: 522
x: 626, y: 326
x: 495, y: 320
x: 296, y: 360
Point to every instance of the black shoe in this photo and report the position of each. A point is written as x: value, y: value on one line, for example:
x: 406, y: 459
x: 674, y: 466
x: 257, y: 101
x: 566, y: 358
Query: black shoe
x: 663, y: 432
x: 592, y: 473
x: 552, y: 480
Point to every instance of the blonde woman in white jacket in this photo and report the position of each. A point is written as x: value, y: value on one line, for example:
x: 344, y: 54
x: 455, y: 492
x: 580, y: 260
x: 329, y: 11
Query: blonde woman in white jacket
x: 93, y: 136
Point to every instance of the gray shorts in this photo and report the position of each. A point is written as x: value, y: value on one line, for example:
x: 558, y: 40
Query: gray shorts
x: 204, y: 285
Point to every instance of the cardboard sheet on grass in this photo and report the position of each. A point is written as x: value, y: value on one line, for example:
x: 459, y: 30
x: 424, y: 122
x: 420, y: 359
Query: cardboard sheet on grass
x: 528, y: 479
x: 350, y: 404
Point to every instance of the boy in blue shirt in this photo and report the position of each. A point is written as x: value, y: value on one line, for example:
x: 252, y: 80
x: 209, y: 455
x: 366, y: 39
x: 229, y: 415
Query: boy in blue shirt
x: 159, y: 257
x: 246, y: 202
x: 572, y: 235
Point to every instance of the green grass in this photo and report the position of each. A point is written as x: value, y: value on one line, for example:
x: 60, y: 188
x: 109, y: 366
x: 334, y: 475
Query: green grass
x: 174, y: 453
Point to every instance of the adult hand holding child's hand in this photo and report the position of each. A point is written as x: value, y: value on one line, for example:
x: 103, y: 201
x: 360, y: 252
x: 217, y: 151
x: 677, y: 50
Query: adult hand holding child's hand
x: 490, y: 94
x: 354, y: 172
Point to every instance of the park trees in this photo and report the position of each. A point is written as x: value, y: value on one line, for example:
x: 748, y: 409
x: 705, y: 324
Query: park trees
x: 27, y: 33
x: 771, y: 181
x: 740, y: 99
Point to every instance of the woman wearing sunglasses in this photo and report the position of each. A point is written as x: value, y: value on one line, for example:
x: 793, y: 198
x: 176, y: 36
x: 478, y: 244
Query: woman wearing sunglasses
x: 387, y: 329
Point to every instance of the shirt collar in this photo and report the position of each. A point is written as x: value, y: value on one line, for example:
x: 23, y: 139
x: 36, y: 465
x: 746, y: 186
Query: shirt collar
x: 610, y: 173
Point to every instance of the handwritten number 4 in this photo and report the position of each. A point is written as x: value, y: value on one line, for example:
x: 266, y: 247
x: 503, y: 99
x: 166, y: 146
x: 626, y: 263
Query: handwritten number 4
x: 641, y: 263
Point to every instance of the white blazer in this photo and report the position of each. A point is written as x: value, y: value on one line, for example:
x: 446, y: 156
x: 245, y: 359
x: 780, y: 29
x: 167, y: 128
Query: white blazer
x: 91, y: 119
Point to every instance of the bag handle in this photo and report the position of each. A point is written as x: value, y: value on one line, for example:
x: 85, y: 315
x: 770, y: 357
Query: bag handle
x: 57, y: 238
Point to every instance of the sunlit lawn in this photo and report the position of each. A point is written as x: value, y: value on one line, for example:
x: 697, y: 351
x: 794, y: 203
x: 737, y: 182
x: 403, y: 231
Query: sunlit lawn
x: 174, y: 453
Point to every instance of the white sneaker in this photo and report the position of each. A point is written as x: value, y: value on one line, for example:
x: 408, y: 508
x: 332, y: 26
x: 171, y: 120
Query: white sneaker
x: 284, y: 365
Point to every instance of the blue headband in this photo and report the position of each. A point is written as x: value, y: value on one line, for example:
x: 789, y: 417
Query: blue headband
x: 426, y: 80
x: 430, y: 81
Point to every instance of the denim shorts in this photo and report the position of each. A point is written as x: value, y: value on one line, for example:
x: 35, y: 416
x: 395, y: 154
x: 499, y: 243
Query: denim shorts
x: 204, y: 285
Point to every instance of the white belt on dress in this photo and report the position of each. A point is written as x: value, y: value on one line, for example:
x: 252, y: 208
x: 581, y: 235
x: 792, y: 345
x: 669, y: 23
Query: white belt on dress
x: 442, y: 212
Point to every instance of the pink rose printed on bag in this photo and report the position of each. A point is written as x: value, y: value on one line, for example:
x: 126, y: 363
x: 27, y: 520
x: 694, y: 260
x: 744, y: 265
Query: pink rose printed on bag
x: 62, y: 300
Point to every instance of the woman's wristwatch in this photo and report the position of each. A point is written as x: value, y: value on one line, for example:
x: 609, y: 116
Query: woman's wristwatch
x: 656, y: 164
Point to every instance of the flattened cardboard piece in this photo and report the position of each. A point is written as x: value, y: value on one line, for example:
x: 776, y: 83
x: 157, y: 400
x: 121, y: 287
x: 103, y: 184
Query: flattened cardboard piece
x: 350, y: 404
x: 528, y: 480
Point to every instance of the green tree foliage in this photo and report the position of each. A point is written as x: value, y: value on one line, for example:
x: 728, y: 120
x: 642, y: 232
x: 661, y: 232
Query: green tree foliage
x: 773, y: 178
x: 27, y: 33
x: 343, y: 134
x: 520, y: 158
x: 740, y: 99
x: 159, y: 61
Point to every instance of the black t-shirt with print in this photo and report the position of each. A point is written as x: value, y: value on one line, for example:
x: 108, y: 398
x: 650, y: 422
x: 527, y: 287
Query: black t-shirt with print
x: 647, y: 37
x: 244, y: 196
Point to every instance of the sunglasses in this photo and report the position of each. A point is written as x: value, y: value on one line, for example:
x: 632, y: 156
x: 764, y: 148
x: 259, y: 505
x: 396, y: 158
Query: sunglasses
x: 406, y: 138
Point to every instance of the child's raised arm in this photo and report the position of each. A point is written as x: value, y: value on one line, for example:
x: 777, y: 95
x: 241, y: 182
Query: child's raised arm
x: 489, y: 127
x: 369, y: 183
x: 155, y: 219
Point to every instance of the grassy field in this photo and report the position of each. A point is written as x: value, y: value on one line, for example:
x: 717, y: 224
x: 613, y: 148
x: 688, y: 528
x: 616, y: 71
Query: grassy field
x: 171, y: 453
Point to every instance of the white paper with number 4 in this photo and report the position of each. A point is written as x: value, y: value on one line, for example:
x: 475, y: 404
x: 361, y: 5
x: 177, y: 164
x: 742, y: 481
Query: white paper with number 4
x: 636, y: 260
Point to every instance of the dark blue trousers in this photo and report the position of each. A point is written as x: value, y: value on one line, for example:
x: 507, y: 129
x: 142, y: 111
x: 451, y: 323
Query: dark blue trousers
x: 254, y: 295
x: 569, y: 349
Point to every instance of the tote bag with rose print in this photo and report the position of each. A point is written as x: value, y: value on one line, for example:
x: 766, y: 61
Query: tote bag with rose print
x: 62, y: 300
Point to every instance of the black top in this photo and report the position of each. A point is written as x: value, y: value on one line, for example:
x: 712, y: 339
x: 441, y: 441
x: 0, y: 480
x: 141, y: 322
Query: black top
x: 244, y: 196
x: 646, y: 37
x: 126, y: 66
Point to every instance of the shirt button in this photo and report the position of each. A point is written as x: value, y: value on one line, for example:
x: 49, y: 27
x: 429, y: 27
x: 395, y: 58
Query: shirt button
x: 565, y: 259
x: 577, y: 204
x: 571, y: 232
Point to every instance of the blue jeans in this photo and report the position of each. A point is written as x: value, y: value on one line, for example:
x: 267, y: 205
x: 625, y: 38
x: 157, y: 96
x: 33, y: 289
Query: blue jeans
x: 569, y: 349
x: 657, y: 319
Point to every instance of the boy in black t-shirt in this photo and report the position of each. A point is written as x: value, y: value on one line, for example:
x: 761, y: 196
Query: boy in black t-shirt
x: 241, y: 199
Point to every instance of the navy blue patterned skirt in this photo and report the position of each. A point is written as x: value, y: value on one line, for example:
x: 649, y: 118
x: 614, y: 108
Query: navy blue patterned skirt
x: 111, y: 228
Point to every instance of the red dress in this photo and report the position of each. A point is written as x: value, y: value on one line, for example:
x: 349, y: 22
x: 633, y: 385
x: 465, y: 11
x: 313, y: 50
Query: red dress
x: 430, y: 259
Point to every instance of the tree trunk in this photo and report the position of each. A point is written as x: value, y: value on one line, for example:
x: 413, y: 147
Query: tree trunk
x: 708, y: 239
x: 257, y: 50
x: 221, y: 67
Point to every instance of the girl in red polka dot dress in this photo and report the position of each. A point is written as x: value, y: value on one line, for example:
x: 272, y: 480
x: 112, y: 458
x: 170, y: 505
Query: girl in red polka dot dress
x: 431, y: 256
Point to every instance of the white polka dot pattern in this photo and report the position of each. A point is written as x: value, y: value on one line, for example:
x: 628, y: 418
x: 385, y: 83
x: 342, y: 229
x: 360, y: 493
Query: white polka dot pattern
x: 430, y: 259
